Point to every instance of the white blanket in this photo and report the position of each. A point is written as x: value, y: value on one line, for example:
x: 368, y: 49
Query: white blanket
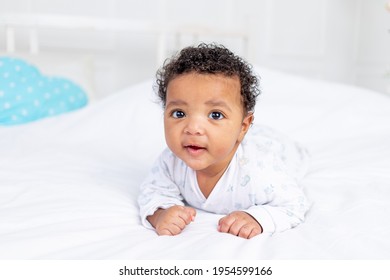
x: 69, y: 184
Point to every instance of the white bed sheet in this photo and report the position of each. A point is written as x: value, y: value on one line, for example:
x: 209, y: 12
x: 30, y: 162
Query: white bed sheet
x: 68, y: 185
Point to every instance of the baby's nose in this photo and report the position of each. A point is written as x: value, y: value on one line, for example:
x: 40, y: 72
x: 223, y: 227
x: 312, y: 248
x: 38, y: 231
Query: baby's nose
x: 194, y: 126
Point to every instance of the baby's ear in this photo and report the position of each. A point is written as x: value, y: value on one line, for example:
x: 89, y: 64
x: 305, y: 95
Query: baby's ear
x: 248, y: 121
x: 246, y: 124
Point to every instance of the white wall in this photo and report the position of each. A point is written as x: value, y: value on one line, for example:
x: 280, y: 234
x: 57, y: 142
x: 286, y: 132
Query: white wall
x: 339, y: 40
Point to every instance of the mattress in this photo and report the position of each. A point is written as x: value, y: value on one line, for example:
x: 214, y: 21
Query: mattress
x: 69, y: 183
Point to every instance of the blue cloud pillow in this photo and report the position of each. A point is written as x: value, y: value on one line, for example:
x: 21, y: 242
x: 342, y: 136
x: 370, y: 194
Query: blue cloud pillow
x: 26, y: 95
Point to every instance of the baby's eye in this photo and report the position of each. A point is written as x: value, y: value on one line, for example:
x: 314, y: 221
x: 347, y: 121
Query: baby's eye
x: 178, y: 114
x: 216, y: 115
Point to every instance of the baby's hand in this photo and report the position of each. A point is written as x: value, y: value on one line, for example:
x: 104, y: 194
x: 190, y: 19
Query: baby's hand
x: 173, y: 220
x: 241, y: 224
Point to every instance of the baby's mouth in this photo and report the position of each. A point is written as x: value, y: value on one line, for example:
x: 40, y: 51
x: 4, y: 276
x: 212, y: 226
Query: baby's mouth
x: 194, y: 148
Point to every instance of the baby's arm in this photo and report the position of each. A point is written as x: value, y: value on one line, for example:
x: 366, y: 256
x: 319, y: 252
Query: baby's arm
x: 241, y: 224
x: 173, y: 220
x: 279, y: 204
x: 280, y: 207
x: 160, y: 200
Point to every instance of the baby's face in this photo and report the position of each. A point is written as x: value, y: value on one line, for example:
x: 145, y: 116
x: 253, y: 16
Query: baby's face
x: 204, y: 120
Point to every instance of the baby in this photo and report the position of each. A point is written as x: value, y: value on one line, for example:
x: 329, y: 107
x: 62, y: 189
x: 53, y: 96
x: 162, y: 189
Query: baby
x: 209, y: 95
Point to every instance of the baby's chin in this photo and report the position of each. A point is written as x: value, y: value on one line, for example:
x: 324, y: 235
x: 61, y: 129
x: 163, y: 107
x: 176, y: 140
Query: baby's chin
x: 195, y: 165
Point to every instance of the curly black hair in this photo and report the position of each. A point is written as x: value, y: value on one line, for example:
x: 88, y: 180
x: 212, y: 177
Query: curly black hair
x: 209, y: 59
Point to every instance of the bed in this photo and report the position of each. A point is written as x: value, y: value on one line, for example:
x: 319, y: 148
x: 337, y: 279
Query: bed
x: 69, y: 183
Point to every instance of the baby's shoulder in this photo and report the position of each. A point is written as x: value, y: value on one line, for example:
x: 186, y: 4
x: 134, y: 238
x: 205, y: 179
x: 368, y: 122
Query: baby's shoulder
x: 269, y: 147
x: 260, y: 142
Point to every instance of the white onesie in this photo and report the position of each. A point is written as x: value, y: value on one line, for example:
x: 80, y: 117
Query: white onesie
x: 261, y: 179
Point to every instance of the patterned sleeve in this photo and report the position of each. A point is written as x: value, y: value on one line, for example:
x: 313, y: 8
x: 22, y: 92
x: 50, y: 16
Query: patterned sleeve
x: 159, y: 189
x: 280, y: 203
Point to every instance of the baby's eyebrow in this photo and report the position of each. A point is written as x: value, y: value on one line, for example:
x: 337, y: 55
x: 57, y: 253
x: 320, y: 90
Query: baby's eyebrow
x: 176, y: 102
x: 218, y: 103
